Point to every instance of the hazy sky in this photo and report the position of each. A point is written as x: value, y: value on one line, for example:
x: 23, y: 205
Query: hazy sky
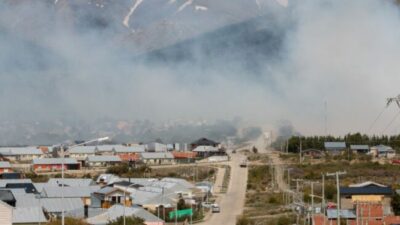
x: 342, y: 52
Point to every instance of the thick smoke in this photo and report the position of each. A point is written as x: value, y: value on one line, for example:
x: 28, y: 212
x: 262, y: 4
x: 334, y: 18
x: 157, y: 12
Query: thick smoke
x: 64, y: 62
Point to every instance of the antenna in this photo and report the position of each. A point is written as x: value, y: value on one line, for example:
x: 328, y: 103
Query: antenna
x: 394, y: 99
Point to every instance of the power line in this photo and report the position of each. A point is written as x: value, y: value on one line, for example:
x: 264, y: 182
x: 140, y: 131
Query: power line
x: 376, y: 119
x: 391, y: 122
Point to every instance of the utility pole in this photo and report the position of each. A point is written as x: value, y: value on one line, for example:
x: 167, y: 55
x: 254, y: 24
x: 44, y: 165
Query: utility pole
x: 300, y: 152
x: 337, y: 174
x: 323, y: 193
x: 287, y: 146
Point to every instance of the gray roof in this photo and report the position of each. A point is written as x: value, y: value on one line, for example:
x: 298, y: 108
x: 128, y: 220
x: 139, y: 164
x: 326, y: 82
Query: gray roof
x: 359, y: 147
x: 28, y: 215
x: 82, y: 150
x: 107, y: 148
x: 55, y: 205
x: 72, y: 182
x: 203, y: 148
x: 383, y: 148
x: 4, y: 164
x: 107, y: 178
x: 157, y: 155
x: 26, y: 200
x: 117, y: 210
x: 104, y: 158
x: 69, y: 192
x: 335, y: 145
x: 4, y: 182
x: 129, y: 149
x: 54, y: 161
x: 11, y: 151
x: 106, y: 190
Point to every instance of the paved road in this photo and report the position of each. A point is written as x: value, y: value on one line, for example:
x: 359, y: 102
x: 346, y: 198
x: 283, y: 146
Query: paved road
x: 232, y: 202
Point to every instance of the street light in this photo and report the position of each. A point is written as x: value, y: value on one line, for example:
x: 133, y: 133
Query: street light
x: 62, y: 168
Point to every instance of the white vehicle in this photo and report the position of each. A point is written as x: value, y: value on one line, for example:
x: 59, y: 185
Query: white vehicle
x: 215, y: 208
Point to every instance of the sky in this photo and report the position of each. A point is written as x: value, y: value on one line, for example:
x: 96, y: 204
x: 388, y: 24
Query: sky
x: 344, y: 53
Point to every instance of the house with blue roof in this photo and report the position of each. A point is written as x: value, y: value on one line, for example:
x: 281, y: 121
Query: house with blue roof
x: 335, y: 148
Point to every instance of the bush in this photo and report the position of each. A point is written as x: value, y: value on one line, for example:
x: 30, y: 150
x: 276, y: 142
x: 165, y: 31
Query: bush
x: 244, y: 220
x: 68, y: 221
x: 131, y: 220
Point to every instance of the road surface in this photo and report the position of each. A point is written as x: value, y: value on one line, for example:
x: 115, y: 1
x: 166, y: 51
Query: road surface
x: 232, y: 202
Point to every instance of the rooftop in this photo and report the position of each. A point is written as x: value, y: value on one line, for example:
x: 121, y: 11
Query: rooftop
x: 51, y: 161
x: 335, y: 145
x: 104, y: 158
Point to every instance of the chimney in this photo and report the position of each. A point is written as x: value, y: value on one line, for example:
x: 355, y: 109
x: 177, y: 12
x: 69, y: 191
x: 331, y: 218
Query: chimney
x: 86, y: 211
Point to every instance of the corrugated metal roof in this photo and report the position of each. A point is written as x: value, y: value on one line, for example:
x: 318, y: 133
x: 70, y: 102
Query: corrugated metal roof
x: 6, y: 196
x: 107, y: 148
x: 129, y: 149
x: 26, y: 200
x: 69, y: 192
x: 28, y: 215
x: 117, y: 210
x: 10, y: 151
x: 55, y: 205
x: 382, y: 148
x: 106, y: 190
x: 82, y: 150
x: 334, y: 145
x: 104, y: 158
x: 359, y: 147
x: 72, y: 182
x: 156, y: 155
x: 49, y: 161
x: 203, y: 148
x: 5, y: 164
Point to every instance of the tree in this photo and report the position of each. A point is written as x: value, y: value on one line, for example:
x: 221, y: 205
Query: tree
x: 396, y: 204
x: 255, y: 150
x: 181, y: 204
x: 68, y: 221
x: 130, y: 220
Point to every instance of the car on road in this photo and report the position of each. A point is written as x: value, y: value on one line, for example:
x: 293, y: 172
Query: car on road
x: 243, y: 163
x: 215, y: 208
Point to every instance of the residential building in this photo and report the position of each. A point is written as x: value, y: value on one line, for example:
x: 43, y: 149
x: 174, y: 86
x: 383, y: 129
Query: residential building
x: 102, y: 161
x: 130, y: 157
x: 366, y: 193
x: 82, y: 193
x: 156, y: 147
x: 383, y: 151
x: 360, y: 149
x: 54, y: 206
x: 81, y: 153
x: 206, y: 151
x: 7, y: 197
x: 185, y: 157
x: 21, y: 153
x: 5, y: 167
x: 204, y: 142
x: 55, y: 164
x: 157, y: 158
x: 334, y: 148
x: 71, y: 182
x: 109, y: 196
x: 121, y: 149
x: 118, y: 210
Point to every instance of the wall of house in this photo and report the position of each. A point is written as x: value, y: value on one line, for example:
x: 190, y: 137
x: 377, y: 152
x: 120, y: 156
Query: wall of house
x: 5, y: 214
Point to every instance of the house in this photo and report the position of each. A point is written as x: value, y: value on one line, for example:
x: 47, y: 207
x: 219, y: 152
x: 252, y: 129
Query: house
x: 121, y: 149
x: 106, y: 149
x: 20, y: 153
x: 206, y: 151
x: 360, y: 149
x: 118, y: 210
x: 156, y: 147
x: 4, y: 182
x: 157, y: 158
x: 28, y: 216
x: 105, y: 179
x: 383, y: 151
x: 109, y: 196
x: 71, y: 182
x: 188, y: 157
x: 129, y: 157
x: 82, y: 193
x: 6, y: 213
x: 54, y: 206
x: 204, y: 142
x: 335, y: 147
x: 5, y: 167
x: 102, y: 161
x: 367, y: 192
x: 55, y: 164
x: 80, y: 153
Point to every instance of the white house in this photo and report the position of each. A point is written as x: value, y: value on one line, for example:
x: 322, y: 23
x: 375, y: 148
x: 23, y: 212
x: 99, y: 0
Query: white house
x: 80, y: 153
x: 383, y: 151
x: 101, y: 161
x: 156, y: 147
x: 157, y: 158
x: 21, y: 153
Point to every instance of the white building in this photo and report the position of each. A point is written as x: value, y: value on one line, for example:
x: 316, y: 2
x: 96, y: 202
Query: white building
x: 21, y: 153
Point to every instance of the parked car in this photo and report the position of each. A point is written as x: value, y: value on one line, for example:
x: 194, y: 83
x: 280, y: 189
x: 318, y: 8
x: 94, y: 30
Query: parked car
x: 215, y: 208
x: 243, y: 163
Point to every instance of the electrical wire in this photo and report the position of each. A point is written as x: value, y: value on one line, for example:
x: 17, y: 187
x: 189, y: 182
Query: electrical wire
x: 376, y: 119
x: 391, y: 122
